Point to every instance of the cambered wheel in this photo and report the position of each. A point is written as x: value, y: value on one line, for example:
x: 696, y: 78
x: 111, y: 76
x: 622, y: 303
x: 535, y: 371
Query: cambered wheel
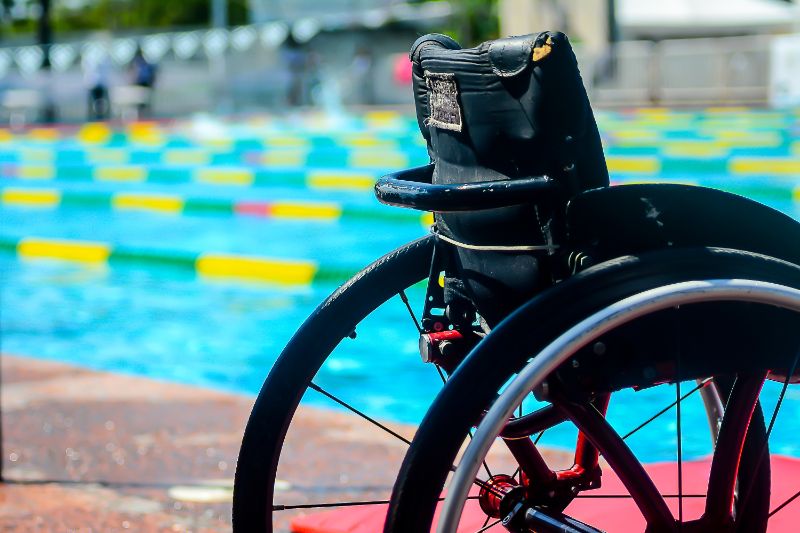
x: 738, y: 493
x: 336, y: 319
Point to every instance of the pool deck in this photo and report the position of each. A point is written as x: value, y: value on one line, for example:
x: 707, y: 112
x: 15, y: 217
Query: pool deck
x: 90, y: 451
x: 93, y: 451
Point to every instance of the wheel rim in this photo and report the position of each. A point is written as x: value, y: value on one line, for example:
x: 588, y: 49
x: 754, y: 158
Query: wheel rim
x: 583, y: 333
x: 349, y: 404
x: 249, y: 516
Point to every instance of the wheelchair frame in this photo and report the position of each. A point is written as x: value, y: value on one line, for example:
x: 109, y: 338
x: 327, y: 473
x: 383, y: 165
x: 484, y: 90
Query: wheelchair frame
x: 602, y: 224
x: 634, y: 219
x: 566, y: 346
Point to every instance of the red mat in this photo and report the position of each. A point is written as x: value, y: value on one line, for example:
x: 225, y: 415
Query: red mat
x: 615, y: 515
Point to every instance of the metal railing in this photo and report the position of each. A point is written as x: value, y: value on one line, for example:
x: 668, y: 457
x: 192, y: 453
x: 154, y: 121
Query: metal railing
x: 712, y: 71
x: 723, y: 70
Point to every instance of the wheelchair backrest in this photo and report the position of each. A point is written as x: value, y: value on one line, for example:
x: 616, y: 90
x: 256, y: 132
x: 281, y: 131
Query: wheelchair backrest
x: 504, y: 110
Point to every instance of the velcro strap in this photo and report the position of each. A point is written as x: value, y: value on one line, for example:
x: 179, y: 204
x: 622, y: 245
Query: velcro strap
x: 510, y: 56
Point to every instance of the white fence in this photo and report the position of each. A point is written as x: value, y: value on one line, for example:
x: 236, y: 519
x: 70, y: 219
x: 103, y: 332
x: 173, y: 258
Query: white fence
x: 756, y: 70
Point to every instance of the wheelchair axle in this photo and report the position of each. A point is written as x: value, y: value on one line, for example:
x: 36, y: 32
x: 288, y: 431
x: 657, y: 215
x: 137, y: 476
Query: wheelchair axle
x: 447, y: 348
x: 503, y: 497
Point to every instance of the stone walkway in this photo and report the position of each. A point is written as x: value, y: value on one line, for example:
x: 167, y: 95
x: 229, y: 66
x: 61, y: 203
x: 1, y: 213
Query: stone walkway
x: 89, y: 451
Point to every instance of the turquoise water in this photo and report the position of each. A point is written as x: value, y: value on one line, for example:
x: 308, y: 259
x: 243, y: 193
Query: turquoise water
x: 350, y: 243
x: 165, y: 324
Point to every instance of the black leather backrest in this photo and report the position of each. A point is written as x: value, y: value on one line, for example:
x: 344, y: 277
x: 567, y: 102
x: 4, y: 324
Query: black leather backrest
x: 506, y: 109
x: 512, y: 108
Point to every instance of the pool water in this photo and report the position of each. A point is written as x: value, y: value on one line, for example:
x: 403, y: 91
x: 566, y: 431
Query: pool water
x: 166, y: 324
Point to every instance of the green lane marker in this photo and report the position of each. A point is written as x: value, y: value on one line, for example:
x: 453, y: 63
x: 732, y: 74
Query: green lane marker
x: 169, y: 175
x: 75, y: 173
x: 8, y: 244
x: 86, y: 200
x: 208, y: 206
x: 694, y: 166
x: 372, y: 213
x: 764, y: 192
x: 333, y: 274
x: 275, y: 177
x: 168, y: 258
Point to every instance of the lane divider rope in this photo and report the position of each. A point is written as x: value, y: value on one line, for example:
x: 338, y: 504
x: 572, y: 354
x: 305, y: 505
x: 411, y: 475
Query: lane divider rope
x: 208, y: 265
x: 174, y: 204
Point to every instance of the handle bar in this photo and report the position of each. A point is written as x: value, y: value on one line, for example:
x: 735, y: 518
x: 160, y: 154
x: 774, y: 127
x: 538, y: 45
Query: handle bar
x: 412, y: 188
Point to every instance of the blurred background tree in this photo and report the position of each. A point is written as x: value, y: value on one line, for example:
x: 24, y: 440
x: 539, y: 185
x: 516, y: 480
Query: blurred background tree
x: 118, y: 15
x: 473, y: 21
x: 19, y: 16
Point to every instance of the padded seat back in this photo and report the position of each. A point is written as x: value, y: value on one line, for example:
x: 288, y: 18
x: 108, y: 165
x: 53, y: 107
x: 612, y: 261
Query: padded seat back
x: 506, y: 109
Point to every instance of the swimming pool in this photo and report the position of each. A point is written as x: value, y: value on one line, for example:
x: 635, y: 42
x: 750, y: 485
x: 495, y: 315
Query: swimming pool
x: 153, y: 317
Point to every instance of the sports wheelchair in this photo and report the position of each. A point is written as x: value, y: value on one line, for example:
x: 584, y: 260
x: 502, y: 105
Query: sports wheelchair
x: 545, y: 286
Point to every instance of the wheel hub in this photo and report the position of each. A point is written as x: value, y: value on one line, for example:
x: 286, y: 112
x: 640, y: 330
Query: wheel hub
x: 499, y: 494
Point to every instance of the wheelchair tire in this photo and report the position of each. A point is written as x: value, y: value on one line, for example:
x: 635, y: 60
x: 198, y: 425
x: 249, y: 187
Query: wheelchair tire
x: 480, y: 377
x: 334, y: 320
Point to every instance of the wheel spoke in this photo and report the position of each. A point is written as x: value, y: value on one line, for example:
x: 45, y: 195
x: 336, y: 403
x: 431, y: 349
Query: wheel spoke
x: 324, y: 505
x: 490, y: 526
x: 441, y: 373
x: 484, y: 485
x: 784, y: 504
x: 349, y: 407
x: 628, y: 496
x: 780, y: 398
x: 339, y: 504
x: 702, y: 384
x: 410, y: 310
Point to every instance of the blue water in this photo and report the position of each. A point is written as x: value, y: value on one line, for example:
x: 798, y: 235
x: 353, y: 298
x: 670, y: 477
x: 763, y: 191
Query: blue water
x: 165, y: 324
x: 339, y: 243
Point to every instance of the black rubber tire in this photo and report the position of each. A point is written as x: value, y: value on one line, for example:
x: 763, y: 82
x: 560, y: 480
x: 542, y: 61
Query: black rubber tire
x: 305, y: 353
x: 475, y: 383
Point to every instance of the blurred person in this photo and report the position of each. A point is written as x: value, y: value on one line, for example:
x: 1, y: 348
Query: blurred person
x: 97, y: 75
x: 363, y: 91
x: 312, y: 79
x: 401, y: 70
x: 296, y: 60
x: 143, y: 74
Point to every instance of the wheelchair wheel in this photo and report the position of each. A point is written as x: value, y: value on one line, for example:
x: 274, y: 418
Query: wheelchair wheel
x: 336, y: 319
x: 524, y: 495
